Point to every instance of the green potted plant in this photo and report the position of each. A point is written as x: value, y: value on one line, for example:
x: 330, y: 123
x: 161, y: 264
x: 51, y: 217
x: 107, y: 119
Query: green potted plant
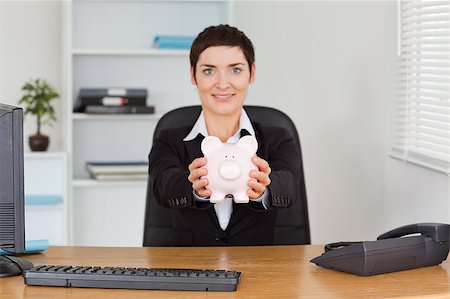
x: 36, y: 100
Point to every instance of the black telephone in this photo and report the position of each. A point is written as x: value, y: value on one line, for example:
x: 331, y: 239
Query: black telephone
x: 394, y: 250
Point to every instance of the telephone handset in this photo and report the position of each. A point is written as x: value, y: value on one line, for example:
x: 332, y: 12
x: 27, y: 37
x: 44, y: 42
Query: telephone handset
x: 439, y: 232
x: 395, y: 250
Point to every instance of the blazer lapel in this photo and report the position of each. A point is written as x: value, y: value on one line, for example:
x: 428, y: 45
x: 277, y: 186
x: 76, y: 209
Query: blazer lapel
x: 257, y: 128
x: 193, y: 148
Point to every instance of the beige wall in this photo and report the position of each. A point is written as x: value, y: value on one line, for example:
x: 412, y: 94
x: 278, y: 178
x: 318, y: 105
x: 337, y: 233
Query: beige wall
x: 30, y: 47
x: 329, y: 66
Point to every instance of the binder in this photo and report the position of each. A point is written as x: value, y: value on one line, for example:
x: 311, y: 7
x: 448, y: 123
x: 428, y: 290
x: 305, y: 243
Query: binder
x: 173, y: 42
x: 117, y: 167
x: 120, y: 109
x: 110, y: 97
x: 108, y: 171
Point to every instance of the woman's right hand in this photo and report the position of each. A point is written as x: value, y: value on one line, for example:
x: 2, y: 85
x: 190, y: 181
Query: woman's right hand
x: 196, y: 177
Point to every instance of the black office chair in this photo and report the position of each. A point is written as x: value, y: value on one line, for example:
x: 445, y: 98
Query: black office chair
x: 292, y: 225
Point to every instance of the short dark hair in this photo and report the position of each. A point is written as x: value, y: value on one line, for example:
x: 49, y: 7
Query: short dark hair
x: 221, y: 35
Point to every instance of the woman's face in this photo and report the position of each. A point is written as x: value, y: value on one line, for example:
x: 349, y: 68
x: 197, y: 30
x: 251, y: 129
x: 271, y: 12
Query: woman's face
x: 222, y: 78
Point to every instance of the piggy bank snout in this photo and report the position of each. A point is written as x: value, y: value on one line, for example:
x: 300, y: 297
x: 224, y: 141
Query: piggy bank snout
x: 230, y: 170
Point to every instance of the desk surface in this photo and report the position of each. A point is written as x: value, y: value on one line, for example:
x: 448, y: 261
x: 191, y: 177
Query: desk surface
x: 267, y: 272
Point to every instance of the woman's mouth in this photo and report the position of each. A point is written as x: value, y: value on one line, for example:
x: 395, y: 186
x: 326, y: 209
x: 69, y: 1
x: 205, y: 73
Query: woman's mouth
x: 223, y: 97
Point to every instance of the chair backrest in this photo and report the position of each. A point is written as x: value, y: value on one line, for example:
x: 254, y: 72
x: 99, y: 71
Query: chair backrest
x: 292, y: 225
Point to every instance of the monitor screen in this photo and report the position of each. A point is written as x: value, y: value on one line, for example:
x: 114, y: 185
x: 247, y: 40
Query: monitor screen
x: 12, y: 222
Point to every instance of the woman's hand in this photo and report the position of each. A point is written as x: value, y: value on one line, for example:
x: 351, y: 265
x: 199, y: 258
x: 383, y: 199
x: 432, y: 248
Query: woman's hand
x: 197, y: 171
x: 259, y: 179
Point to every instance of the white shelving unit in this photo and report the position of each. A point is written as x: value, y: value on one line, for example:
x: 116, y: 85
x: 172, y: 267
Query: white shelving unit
x: 96, y: 183
x: 46, y: 200
x: 109, y: 44
x: 129, y: 52
x: 116, y: 117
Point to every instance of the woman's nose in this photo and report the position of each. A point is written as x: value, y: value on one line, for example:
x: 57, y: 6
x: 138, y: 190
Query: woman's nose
x: 223, y: 81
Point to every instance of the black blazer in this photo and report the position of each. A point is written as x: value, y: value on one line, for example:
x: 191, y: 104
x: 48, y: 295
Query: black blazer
x: 195, y: 223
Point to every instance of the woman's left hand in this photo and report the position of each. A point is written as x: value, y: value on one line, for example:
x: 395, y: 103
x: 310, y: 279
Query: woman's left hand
x: 259, y: 179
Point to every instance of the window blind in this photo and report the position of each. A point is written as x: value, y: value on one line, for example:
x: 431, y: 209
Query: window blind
x: 422, y: 114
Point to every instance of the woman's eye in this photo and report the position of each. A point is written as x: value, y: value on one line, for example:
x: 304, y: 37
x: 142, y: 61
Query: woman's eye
x: 207, y: 72
x: 236, y: 70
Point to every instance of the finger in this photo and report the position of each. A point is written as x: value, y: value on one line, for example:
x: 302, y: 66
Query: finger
x: 261, y: 177
x: 196, y: 174
x: 200, y: 188
x: 199, y: 172
x: 199, y: 162
x: 262, y: 164
x: 252, y: 195
x: 256, y: 186
x: 200, y: 185
x: 196, y: 163
x: 203, y: 193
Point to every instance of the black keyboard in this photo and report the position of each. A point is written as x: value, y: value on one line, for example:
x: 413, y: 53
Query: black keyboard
x: 132, y: 278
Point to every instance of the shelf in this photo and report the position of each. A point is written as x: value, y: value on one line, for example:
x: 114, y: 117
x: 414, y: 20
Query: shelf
x: 45, y: 208
x: 84, y: 116
x: 129, y: 52
x: 96, y: 183
x: 44, y: 155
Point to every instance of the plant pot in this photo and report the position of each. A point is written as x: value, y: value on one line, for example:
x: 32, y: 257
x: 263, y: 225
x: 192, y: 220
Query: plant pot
x: 38, y: 142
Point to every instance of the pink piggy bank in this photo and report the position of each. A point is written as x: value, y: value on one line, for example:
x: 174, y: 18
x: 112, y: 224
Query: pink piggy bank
x: 229, y: 167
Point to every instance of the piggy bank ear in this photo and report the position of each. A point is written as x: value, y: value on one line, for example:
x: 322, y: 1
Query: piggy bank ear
x: 248, y: 142
x: 209, y: 144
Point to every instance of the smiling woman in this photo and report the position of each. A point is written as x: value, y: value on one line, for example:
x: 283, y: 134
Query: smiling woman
x: 222, y: 68
x: 222, y: 77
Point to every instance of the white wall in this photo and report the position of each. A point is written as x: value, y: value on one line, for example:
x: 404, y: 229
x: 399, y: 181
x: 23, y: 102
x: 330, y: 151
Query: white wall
x: 329, y: 66
x: 414, y: 194
x: 30, y: 47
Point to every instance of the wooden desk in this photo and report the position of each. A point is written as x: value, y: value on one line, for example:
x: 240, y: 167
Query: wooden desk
x: 267, y: 272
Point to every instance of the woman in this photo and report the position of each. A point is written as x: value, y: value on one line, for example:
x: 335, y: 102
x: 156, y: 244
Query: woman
x: 222, y: 68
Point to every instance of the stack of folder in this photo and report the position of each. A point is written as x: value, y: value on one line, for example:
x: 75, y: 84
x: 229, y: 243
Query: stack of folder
x: 107, y: 171
x: 176, y: 42
x: 112, y: 101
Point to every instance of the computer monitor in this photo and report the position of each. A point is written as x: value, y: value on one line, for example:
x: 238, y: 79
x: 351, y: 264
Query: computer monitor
x: 12, y: 218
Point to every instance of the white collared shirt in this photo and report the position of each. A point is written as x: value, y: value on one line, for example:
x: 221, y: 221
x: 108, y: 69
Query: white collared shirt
x: 200, y: 128
x: 224, y: 209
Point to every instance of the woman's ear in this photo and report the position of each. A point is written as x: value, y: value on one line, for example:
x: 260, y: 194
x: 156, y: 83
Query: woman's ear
x: 194, y: 82
x: 252, y: 73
